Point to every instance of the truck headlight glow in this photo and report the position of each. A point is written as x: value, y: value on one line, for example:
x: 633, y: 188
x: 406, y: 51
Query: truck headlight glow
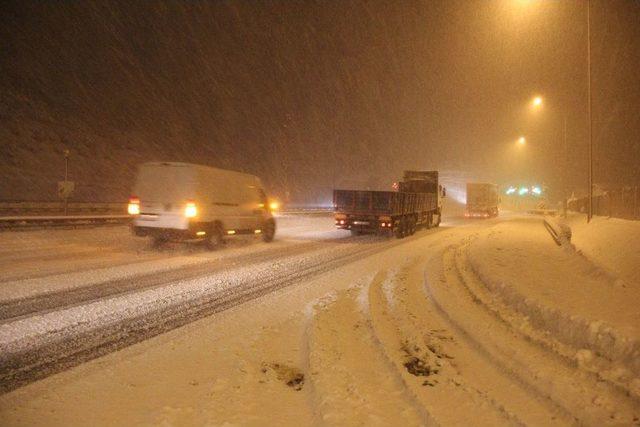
x: 190, y: 210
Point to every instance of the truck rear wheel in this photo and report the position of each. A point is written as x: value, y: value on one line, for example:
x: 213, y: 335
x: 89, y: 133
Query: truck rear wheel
x: 437, y: 223
x: 411, y: 227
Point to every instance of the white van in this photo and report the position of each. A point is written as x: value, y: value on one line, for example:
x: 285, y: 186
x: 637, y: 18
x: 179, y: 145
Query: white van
x: 182, y: 201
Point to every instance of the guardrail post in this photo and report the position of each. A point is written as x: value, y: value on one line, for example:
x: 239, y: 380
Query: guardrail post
x: 636, y: 213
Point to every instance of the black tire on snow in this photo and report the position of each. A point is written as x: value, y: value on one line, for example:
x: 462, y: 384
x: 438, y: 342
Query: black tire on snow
x: 158, y: 241
x: 268, y: 230
x: 216, y: 237
x: 437, y: 224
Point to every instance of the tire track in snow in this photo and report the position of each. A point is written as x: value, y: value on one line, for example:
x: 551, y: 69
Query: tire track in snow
x: 351, y: 379
x: 50, y: 301
x: 41, y: 360
x: 65, y: 260
x: 596, y: 347
x: 544, y: 374
x: 421, y: 353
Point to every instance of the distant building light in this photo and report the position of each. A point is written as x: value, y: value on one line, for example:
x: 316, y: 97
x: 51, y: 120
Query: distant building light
x: 511, y: 190
x: 523, y: 190
x: 536, y: 190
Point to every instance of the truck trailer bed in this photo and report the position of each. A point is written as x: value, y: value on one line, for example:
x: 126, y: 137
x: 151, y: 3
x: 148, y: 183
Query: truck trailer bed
x: 383, y: 211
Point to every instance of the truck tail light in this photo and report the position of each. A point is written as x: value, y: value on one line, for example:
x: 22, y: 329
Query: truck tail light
x: 190, y: 210
x: 133, y: 208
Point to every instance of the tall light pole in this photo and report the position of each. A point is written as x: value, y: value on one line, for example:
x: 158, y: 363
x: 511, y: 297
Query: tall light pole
x: 537, y: 104
x: 590, y: 214
x: 590, y: 210
x: 66, y: 178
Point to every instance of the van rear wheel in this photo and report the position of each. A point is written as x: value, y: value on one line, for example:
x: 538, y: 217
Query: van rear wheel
x: 158, y: 241
x: 269, y: 230
x: 216, y: 237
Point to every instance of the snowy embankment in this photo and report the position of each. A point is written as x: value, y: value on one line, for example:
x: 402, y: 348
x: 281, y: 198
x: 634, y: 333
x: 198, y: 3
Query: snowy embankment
x: 580, y: 303
x: 613, y: 244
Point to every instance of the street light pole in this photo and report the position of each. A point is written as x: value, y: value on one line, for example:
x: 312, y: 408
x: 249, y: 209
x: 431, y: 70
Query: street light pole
x: 566, y: 163
x: 537, y: 104
x: 66, y: 179
x: 590, y: 213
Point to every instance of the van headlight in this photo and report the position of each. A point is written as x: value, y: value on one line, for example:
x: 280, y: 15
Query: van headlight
x: 190, y: 210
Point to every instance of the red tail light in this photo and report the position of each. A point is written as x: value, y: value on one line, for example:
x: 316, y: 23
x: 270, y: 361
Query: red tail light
x: 133, y: 208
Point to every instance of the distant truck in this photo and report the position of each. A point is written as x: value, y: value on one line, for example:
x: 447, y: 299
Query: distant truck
x: 482, y: 200
x: 417, y: 203
x: 187, y: 202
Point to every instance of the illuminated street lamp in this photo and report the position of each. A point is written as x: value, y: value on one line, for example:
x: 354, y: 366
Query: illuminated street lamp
x: 537, y: 102
x: 522, y: 140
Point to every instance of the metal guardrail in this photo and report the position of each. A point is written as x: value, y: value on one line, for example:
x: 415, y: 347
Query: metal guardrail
x: 19, y: 215
x: 42, y: 221
x: 560, y: 233
x: 551, y: 212
x: 37, y: 208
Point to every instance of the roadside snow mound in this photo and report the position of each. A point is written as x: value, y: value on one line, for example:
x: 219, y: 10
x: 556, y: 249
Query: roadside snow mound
x: 613, y: 244
x: 563, y: 294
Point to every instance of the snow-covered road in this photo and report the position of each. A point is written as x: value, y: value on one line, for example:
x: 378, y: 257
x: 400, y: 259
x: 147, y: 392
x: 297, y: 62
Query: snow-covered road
x: 51, y: 322
x: 446, y: 327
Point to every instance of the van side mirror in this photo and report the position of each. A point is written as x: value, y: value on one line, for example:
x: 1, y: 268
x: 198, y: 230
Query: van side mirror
x: 444, y: 192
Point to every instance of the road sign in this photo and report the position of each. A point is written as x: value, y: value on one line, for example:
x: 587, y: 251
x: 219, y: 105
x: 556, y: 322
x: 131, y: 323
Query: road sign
x: 65, y: 189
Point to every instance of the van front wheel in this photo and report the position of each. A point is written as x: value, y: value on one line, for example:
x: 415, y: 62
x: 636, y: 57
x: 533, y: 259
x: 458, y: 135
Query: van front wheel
x: 268, y: 230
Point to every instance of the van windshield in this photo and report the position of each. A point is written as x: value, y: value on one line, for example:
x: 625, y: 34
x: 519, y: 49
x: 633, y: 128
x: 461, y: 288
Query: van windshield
x: 164, y: 183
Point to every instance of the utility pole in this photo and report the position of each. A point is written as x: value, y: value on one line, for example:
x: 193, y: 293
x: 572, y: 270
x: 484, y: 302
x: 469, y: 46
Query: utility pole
x: 590, y: 213
x: 566, y: 163
x: 66, y: 178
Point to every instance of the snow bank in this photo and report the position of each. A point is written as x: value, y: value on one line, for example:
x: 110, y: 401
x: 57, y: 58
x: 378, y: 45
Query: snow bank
x: 613, y: 244
x: 562, y: 293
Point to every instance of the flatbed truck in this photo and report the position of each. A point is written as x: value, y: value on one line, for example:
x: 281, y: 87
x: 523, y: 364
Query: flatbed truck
x: 418, y: 203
